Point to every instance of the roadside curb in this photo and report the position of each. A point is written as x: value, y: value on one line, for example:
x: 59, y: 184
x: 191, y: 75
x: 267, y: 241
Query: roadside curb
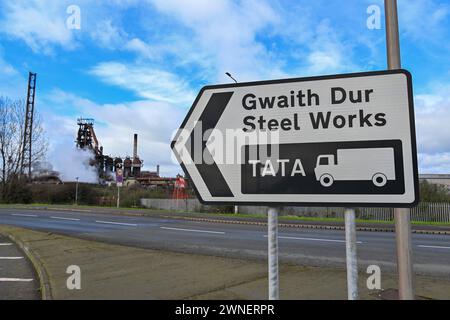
x: 307, y: 226
x: 243, y: 222
x: 46, y: 293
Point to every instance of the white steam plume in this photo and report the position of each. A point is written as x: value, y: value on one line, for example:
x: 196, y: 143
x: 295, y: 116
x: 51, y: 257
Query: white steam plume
x: 71, y: 163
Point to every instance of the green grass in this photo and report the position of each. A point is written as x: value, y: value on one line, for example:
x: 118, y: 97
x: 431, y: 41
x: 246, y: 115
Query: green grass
x: 214, y: 214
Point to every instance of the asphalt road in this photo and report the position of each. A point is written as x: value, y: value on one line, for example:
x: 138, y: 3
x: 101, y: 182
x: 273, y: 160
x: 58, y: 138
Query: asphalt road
x: 17, y: 277
x: 301, y: 246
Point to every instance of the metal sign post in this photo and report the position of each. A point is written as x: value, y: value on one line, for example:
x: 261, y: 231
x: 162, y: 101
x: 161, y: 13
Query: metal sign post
x: 119, y: 183
x: 118, y: 196
x: 401, y: 216
x: 272, y: 236
x: 350, y: 246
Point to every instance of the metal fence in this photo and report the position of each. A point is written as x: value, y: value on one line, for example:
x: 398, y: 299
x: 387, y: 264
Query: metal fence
x: 431, y: 211
x: 425, y: 212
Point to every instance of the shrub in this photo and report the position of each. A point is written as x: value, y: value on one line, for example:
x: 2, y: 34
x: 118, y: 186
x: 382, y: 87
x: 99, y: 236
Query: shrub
x: 16, y: 191
x: 430, y: 192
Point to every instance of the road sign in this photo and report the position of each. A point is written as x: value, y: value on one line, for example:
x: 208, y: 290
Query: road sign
x: 119, y: 177
x: 329, y: 140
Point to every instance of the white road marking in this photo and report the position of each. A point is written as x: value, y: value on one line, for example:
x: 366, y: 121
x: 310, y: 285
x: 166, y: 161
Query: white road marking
x: 24, y: 215
x: 192, y: 230
x: 313, y: 239
x: 15, y: 280
x: 62, y: 218
x: 434, y: 247
x: 117, y: 223
x: 6, y: 244
x: 11, y: 258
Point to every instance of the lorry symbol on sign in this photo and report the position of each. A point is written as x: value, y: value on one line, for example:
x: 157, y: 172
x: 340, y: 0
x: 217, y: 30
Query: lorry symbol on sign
x: 365, y: 164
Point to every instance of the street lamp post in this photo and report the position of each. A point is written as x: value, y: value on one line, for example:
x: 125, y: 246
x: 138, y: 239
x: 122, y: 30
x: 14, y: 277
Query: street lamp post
x: 229, y: 75
x: 401, y: 215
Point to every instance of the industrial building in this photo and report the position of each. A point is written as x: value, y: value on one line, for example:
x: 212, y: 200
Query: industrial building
x: 107, y: 165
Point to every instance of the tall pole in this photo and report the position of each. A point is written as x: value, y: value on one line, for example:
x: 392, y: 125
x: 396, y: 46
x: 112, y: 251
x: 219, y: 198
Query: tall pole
x: 401, y: 216
x: 272, y: 216
x: 76, y: 192
x: 236, y: 208
x: 350, y: 250
x: 118, y: 196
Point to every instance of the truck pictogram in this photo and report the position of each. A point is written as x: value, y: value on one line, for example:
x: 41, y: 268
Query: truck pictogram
x: 364, y: 164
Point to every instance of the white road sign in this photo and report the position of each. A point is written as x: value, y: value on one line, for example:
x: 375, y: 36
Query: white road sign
x: 329, y: 140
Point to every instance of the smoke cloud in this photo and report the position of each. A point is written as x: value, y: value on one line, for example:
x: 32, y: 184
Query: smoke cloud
x: 71, y: 163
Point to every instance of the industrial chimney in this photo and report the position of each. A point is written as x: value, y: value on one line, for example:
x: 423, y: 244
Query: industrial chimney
x: 135, y: 146
x: 137, y: 163
x: 157, y: 170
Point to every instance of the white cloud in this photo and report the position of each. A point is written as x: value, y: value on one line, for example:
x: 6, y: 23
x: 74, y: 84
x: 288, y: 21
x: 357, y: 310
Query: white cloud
x: 328, y: 52
x: 432, y: 116
x: 7, y: 69
x: 146, y: 81
x: 421, y: 18
x: 12, y: 83
x: 177, y: 52
x: 434, y: 163
x: 140, y: 47
x: 226, y: 32
x: 107, y: 35
x: 432, y: 111
x: 39, y: 23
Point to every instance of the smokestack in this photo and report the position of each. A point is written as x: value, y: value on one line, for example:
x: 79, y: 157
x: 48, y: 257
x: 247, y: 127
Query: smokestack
x: 157, y: 169
x: 135, y: 146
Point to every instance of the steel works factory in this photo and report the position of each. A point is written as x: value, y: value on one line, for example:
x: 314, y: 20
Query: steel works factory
x: 108, y: 166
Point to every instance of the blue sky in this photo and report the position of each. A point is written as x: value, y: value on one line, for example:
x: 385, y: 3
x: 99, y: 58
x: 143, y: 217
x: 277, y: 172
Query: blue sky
x: 136, y: 66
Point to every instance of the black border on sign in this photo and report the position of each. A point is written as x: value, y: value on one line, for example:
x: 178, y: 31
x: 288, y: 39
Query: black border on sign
x: 317, y: 204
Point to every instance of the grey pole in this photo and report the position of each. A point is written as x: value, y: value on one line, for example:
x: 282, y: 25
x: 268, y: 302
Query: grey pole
x: 118, y: 196
x: 401, y: 216
x: 236, y: 208
x: 404, y: 253
x: 392, y: 37
x: 272, y: 225
x: 350, y: 246
x: 76, y: 192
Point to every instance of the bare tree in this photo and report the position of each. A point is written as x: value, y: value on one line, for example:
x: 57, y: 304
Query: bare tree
x: 12, y: 119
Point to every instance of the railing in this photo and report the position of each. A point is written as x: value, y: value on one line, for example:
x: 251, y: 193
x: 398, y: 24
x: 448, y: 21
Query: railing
x: 431, y: 212
x: 425, y: 211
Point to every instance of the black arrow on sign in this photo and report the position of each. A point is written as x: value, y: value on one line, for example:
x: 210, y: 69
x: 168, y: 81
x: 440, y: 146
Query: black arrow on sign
x: 210, y: 173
